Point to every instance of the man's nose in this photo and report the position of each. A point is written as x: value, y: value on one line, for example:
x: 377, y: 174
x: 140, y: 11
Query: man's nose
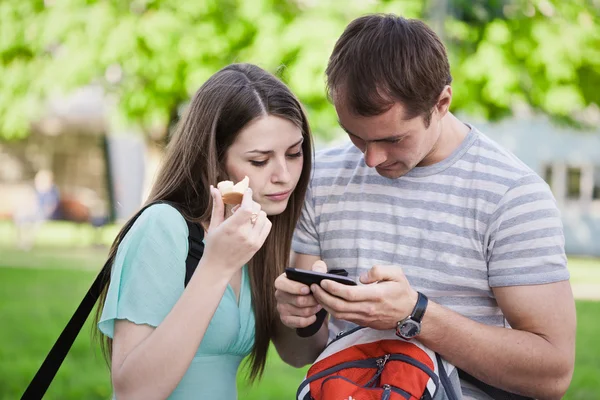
x: 374, y: 156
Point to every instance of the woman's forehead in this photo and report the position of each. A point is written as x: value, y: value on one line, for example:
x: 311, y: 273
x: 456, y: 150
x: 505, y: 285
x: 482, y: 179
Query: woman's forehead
x: 269, y: 133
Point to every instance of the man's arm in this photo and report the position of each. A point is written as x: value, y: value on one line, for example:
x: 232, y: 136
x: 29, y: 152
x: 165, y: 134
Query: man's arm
x: 297, y: 309
x: 535, y: 358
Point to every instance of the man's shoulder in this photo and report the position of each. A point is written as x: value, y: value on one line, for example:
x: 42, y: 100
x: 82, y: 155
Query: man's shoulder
x: 492, y: 149
x: 496, y: 161
x: 498, y: 169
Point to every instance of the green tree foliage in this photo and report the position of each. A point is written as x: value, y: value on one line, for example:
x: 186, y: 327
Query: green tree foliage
x: 541, y: 53
x: 151, y: 55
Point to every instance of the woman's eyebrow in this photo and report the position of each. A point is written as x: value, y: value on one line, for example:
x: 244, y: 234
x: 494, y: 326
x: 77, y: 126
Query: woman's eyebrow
x: 271, y: 151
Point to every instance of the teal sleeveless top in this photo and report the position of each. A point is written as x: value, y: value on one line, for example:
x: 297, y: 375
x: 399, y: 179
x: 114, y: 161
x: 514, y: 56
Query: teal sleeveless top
x: 146, y: 281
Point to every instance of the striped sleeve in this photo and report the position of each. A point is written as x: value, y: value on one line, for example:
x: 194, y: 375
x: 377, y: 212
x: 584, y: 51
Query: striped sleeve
x: 306, y: 235
x: 526, y: 240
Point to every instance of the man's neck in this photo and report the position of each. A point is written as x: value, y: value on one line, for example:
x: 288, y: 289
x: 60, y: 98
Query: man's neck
x: 453, y: 133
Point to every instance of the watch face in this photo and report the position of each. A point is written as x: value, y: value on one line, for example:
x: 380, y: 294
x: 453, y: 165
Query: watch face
x: 410, y: 329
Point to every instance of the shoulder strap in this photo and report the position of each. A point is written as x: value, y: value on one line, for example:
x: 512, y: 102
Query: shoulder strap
x: 44, y: 376
x: 195, y: 249
x: 493, y: 392
x: 445, y: 379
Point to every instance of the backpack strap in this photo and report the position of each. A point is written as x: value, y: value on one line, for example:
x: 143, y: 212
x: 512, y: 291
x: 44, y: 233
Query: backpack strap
x: 493, y: 392
x: 195, y: 249
x: 44, y: 376
x: 445, y: 379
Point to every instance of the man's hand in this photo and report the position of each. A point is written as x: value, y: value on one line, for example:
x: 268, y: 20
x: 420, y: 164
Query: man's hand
x: 297, y: 308
x: 385, y: 299
x: 296, y: 305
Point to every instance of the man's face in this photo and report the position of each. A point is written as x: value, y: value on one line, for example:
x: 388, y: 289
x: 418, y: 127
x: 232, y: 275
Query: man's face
x: 390, y: 144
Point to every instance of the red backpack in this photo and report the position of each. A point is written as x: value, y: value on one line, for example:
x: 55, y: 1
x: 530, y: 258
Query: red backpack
x: 364, y: 364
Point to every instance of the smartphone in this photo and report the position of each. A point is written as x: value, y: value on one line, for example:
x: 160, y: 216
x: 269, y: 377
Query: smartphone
x: 310, y: 277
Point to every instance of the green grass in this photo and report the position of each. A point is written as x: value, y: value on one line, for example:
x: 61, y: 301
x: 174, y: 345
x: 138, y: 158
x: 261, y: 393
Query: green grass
x: 586, y: 379
x: 61, y: 234
x: 34, y: 307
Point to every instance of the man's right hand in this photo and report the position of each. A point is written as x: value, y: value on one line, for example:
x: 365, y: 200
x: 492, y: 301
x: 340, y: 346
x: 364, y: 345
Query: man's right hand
x: 295, y: 303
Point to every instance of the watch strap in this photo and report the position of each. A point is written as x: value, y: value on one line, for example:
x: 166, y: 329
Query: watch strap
x: 420, y: 307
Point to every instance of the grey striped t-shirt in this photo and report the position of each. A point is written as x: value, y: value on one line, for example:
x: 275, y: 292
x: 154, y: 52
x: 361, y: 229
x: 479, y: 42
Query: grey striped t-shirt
x: 479, y: 219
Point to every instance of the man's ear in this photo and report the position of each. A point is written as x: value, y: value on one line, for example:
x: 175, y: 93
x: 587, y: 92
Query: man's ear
x: 443, y: 104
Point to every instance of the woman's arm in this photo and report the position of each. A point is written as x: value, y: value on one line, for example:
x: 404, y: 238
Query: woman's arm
x: 147, y: 362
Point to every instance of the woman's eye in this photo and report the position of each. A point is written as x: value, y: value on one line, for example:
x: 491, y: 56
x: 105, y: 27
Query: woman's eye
x: 298, y: 154
x: 258, y: 163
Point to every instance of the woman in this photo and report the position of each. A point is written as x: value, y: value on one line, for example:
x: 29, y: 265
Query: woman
x: 176, y: 343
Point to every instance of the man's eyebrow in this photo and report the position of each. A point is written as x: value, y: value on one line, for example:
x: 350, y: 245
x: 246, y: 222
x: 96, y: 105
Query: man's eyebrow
x: 385, y: 139
x: 271, y: 151
x: 345, y: 130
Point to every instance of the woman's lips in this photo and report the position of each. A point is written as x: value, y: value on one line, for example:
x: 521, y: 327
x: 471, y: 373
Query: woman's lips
x: 279, y: 196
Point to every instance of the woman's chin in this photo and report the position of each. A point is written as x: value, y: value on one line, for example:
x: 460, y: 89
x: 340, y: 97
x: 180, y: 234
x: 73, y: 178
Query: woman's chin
x: 272, y: 208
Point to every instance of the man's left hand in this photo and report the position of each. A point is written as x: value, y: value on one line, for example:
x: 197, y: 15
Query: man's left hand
x: 385, y: 299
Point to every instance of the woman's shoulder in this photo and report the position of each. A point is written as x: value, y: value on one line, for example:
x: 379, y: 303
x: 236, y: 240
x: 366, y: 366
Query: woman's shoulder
x: 161, y: 225
x: 161, y: 216
x: 148, y: 272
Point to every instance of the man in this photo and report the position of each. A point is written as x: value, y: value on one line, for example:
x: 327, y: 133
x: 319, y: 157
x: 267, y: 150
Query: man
x: 424, y: 203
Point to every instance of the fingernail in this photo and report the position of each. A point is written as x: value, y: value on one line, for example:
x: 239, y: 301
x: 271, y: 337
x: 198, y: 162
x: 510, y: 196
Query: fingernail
x: 324, y: 285
x: 313, y: 287
x: 305, y: 290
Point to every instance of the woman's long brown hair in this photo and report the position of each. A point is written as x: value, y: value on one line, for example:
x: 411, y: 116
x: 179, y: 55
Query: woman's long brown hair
x: 195, y: 159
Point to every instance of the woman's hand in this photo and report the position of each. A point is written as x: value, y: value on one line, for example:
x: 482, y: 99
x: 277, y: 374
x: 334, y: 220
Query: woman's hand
x: 231, y: 242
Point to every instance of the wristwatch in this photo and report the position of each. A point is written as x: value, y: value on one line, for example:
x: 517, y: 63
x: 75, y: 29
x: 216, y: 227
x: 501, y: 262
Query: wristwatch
x: 410, y: 326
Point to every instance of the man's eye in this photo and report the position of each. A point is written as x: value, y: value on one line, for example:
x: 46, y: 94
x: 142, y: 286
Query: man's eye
x: 258, y: 163
x: 398, y: 140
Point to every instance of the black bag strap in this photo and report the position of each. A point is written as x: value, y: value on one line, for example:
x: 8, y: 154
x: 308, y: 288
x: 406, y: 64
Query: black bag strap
x: 445, y: 379
x: 44, y: 376
x: 195, y: 249
x: 493, y: 392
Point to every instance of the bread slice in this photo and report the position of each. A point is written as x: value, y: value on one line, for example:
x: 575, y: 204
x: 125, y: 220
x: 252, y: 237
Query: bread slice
x: 233, y: 194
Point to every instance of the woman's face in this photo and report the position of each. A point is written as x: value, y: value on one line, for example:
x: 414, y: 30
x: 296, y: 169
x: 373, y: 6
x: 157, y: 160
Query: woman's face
x: 269, y: 151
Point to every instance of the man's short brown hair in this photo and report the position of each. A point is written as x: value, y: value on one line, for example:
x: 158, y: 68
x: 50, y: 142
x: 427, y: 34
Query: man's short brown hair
x: 382, y: 59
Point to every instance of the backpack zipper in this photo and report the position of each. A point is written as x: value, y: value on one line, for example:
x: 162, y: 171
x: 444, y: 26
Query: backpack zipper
x: 387, y: 391
x: 391, y: 388
x: 367, y: 363
x: 380, y: 366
